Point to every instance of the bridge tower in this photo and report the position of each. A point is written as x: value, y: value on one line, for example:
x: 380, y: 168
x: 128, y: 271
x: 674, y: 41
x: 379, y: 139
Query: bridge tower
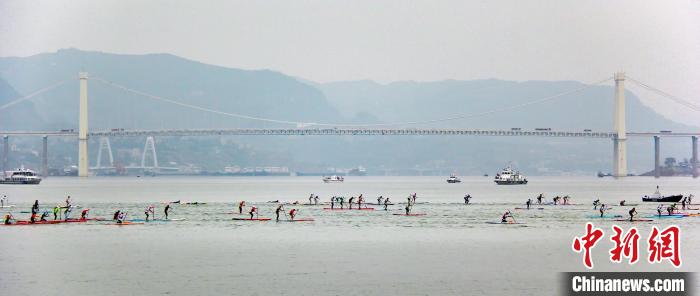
x: 104, y: 145
x: 150, y: 145
x: 83, y: 127
x: 619, y: 142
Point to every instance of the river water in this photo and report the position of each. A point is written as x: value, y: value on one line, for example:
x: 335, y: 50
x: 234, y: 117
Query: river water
x: 449, y: 251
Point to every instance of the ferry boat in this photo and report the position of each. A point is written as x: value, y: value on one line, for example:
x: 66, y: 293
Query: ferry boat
x: 20, y: 176
x: 508, y: 177
x: 333, y: 179
x: 453, y: 179
x: 657, y: 197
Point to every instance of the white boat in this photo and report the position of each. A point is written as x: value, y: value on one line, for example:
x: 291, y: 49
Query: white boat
x: 333, y: 179
x: 20, y: 176
x: 453, y: 179
x: 508, y: 177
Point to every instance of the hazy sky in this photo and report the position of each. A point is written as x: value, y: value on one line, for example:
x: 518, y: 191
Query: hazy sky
x: 657, y: 42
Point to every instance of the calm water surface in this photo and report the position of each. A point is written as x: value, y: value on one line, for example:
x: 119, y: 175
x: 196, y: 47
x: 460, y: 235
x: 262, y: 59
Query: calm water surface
x: 450, y: 251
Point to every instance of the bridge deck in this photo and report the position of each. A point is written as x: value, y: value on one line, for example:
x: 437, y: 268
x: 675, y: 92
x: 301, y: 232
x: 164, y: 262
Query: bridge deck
x: 342, y: 132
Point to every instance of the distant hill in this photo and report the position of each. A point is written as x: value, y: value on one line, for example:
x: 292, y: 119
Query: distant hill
x: 409, y: 101
x: 20, y: 115
x: 256, y: 93
x: 269, y: 94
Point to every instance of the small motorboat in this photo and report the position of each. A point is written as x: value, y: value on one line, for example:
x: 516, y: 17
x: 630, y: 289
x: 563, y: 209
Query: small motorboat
x: 453, y: 179
x: 333, y: 179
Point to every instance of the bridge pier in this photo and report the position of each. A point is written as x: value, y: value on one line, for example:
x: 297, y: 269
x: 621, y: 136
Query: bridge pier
x: 83, y: 161
x: 657, y: 156
x: 620, y: 141
x: 5, y: 153
x: 694, y: 158
x: 45, y: 156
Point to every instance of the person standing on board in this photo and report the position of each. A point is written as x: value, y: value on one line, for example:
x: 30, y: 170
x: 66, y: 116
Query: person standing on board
x: 539, y: 198
x: 352, y: 198
x: 241, y: 205
x: 596, y: 203
x: 316, y: 200
x: 632, y: 212
x: 359, y: 201
x: 68, y: 201
x: 386, y: 204
x: 414, y: 198
x: 253, y: 210
x: 149, y: 210
x: 408, y: 208
x: 167, y: 209
x: 333, y: 202
x: 528, y: 203
x: 467, y: 198
x: 602, y: 210
x: 660, y: 209
x: 379, y: 200
x: 292, y: 213
x: 35, y: 210
x: 56, y: 210
x: 311, y: 199
x: 280, y: 208
x: 69, y: 209
x: 683, y: 203
x: 116, y: 215
x: 3, y: 200
x: 342, y: 201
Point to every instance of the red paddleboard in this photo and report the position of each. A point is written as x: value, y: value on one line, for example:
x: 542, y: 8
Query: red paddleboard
x: 35, y: 223
x: 298, y: 220
x: 635, y: 220
x: 251, y: 219
x: 417, y: 214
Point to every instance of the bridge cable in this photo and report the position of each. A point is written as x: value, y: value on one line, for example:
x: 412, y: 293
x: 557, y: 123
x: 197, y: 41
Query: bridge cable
x: 457, y: 117
x: 676, y: 99
x: 29, y: 96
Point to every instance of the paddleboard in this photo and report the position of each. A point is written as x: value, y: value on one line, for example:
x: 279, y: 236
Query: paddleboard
x: 635, y: 220
x: 298, y: 220
x: 347, y: 209
x: 253, y: 219
x: 157, y: 220
x: 604, y: 216
x: 417, y: 214
x: 529, y: 208
x: 7, y: 206
x: 665, y: 216
x: 503, y: 223
x: 125, y: 223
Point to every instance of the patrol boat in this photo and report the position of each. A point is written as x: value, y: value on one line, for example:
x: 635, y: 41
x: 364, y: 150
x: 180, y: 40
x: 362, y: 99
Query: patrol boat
x: 508, y: 177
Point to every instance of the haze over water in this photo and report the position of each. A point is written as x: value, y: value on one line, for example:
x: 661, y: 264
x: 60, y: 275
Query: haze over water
x: 451, y: 250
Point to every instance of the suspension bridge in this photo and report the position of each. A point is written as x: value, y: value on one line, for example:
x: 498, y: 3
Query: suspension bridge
x: 618, y: 135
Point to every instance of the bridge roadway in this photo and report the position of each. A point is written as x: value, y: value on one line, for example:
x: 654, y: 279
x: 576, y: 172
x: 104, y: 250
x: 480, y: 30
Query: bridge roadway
x: 343, y: 132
